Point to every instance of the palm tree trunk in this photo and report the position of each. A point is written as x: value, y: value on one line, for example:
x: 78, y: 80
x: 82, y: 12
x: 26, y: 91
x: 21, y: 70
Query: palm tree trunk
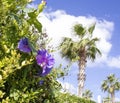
x: 113, y: 97
x: 109, y: 99
x: 81, y: 76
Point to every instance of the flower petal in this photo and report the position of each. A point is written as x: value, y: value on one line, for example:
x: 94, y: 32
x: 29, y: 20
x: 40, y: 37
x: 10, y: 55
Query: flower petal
x: 23, y: 45
x: 45, y: 60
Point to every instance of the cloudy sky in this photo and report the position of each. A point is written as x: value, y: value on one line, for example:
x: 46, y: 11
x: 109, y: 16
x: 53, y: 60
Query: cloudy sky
x: 58, y: 18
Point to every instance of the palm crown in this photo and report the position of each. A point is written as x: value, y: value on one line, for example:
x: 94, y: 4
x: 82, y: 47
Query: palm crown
x: 85, y: 46
x: 111, y: 84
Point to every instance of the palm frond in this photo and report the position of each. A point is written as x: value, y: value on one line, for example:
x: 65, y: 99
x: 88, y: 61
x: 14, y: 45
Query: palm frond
x: 93, y: 41
x: 91, y: 28
x: 69, y: 49
x: 73, y: 50
x: 83, y: 43
x: 79, y: 30
x: 111, y: 84
x: 92, y: 51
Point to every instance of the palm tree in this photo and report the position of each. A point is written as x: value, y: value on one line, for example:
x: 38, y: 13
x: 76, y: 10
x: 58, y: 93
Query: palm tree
x: 87, y: 94
x: 111, y: 84
x: 107, y: 99
x: 80, y: 50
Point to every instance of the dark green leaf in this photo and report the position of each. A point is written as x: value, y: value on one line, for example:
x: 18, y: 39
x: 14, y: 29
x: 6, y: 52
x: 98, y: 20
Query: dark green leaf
x: 32, y: 15
x: 38, y: 25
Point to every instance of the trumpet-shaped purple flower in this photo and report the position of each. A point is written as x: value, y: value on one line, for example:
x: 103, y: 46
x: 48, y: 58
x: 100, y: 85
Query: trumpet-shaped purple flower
x: 45, y: 60
x: 24, y: 46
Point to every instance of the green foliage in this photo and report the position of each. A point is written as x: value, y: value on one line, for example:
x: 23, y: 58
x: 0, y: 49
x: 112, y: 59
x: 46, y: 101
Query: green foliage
x: 87, y: 94
x: 111, y: 85
x: 86, y: 46
x: 69, y: 49
x: 79, y: 30
x: 91, y: 28
x: 19, y: 79
x: 68, y: 98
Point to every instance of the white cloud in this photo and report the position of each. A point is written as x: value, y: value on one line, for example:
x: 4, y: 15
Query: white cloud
x: 117, y: 99
x: 67, y: 87
x: 59, y: 24
x: 32, y: 5
x: 114, y: 62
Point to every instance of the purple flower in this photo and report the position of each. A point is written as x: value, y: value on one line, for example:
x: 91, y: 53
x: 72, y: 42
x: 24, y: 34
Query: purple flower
x: 46, y: 71
x: 45, y: 60
x: 41, y: 82
x: 24, y: 46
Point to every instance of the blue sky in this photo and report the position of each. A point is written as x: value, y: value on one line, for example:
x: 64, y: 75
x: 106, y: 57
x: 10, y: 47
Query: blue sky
x: 58, y: 18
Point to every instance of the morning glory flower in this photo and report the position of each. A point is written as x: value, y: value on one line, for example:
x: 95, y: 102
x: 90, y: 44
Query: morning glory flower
x: 24, y: 46
x: 41, y: 82
x: 45, y: 60
x: 46, y: 71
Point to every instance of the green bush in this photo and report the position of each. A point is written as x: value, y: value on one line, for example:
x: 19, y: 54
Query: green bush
x: 68, y: 98
x: 19, y: 79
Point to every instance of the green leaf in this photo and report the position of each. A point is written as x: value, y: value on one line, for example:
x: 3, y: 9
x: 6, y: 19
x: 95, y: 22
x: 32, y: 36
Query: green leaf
x: 15, y: 17
x: 38, y: 25
x: 41, y: 6
x: 91, y: 28
x: 32, y: 15
x: 79, y: 30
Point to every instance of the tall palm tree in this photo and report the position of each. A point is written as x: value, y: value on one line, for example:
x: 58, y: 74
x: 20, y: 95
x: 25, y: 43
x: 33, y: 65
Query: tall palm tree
x: 87, y: 94
x: 80, y: 50
x: 111, y: 84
